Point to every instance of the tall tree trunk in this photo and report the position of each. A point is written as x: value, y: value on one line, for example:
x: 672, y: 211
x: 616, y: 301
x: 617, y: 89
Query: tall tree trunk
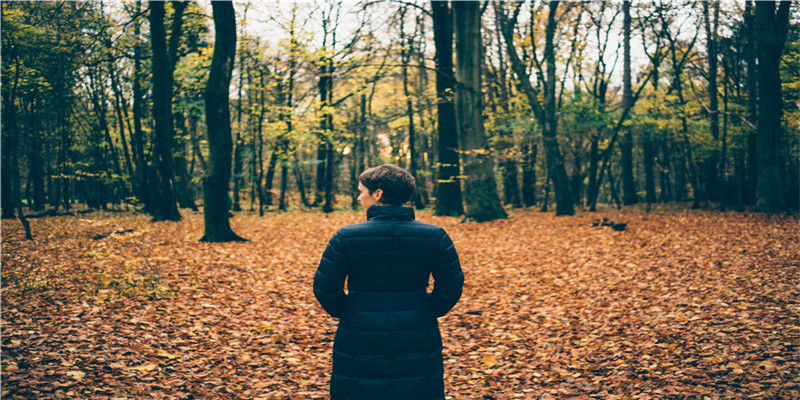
x: 594, y: 160
x: 183, y: 185
x: 664, y: 175
x: 9, y: 190
x: 771, y: 36
x: 238, y: 145
x: 119, y: 107
x: 752, y: 103
x: 270, y: 178
x: 405, y: 50
x: 165, y: 206
x: 711, y: 185
x: 218, y: 119
x: 448, y: 194
x: 482, y: 200
x: 143, y: 191
x: 35, y: 164
x: 626, y: 138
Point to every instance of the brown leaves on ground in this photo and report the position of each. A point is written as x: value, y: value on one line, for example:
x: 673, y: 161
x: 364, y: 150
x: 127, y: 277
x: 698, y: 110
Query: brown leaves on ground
x: 680, y: 305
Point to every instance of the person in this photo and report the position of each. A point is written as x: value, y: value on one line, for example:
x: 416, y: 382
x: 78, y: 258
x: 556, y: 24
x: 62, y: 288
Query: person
x: 387, y: 344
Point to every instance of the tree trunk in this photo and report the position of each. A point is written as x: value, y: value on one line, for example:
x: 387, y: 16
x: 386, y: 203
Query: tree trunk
x: 529, y: 174
x: 183, y: 184
x: 268, y: 182
x: 165, y: 206
x: 119, y: 107
x: 9, y: 189
x: 405, y: 55
x: 752, y: 103
x: 626, y: 138
x: 448, y: 194
x: 218, y: 119
x: 239, y: 145
x: 301, y: 187
x: 482, y: 200
x: 35, y: 164
x: 138, y: 140
x: 711, y: 164
x: 771, y: 28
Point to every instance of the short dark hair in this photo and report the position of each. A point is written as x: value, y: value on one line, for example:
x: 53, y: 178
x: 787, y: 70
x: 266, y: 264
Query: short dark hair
x: 397, y: 184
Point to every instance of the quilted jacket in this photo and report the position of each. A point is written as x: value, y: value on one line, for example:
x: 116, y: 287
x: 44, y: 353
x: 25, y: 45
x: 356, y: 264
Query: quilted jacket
x: 387, y: 343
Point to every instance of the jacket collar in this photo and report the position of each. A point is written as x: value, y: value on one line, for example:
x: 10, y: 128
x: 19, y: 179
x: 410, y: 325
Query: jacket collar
x: 390, y: 213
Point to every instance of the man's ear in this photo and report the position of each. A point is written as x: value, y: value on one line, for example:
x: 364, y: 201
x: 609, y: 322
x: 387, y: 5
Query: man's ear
x: 378, y: 194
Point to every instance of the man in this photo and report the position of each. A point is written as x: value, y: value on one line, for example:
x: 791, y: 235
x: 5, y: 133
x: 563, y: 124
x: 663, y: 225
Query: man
x: 388, y: 345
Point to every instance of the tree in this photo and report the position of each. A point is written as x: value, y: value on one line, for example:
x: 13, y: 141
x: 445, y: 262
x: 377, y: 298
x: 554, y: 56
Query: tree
x: 626, y: 138
x: 448, y: 195
x: 482, y: 200
x: 165, y: 207
x: 544, y: 111
x: 711, y: 27
x: 218, y: 120
x: 771, y: 28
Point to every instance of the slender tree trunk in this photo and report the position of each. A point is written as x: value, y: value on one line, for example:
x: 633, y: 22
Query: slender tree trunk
x: 626, y: 137
x: 238, y: 145
x: 529, y: 174
x: 10, y: 170
x: 594, y: 159
x: 405, y: 55
x: 35, y: 164
x: 663, y: 170
x: 301, y: 187
x: 138, y: 140
x: 752, y: 103
x: 268, y: 182
x: 712, y: 190
x: 119, y: 107
x: 183, y: 184
x: 448, y: 194
x: 483, y: 202
x: 218, y: 119
x: 771, y: 31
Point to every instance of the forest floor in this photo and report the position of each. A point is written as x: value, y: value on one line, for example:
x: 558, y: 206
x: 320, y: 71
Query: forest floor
x: 682, y: 304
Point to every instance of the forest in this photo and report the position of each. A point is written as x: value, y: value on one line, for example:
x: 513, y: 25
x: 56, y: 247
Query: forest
x: 621, y: 180
x: 557, y: 106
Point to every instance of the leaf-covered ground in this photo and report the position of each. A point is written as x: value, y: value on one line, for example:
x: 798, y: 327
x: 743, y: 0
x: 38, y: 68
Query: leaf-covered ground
x: 680, y: 305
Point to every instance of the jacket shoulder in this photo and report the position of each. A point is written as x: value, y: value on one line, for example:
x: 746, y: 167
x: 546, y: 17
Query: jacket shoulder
x: 368, y: 228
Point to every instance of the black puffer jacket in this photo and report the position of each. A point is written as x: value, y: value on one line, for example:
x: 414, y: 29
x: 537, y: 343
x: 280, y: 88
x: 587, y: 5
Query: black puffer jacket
x: 388, y: 344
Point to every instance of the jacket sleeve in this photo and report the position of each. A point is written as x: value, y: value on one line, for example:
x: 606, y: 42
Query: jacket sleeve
x: 448, y: 279
x: 330, y: 276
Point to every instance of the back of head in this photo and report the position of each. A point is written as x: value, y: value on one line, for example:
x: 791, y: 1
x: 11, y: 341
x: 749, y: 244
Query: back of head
x: 396, y: 183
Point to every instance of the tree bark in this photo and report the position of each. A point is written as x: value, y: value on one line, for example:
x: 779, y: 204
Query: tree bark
x: 165, y: 206
x: 711, y: 185
x: 218, y: 119
x: 405, y: 50
x: 529, y: 174
x: 482, y: 200
x: 448, y: 194
x: 138, y: 140
x: 771, y: 29
x: 752, y: 103
x: 626, y: 138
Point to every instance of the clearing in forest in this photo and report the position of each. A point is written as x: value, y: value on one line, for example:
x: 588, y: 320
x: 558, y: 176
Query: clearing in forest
x: 697, y: 304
